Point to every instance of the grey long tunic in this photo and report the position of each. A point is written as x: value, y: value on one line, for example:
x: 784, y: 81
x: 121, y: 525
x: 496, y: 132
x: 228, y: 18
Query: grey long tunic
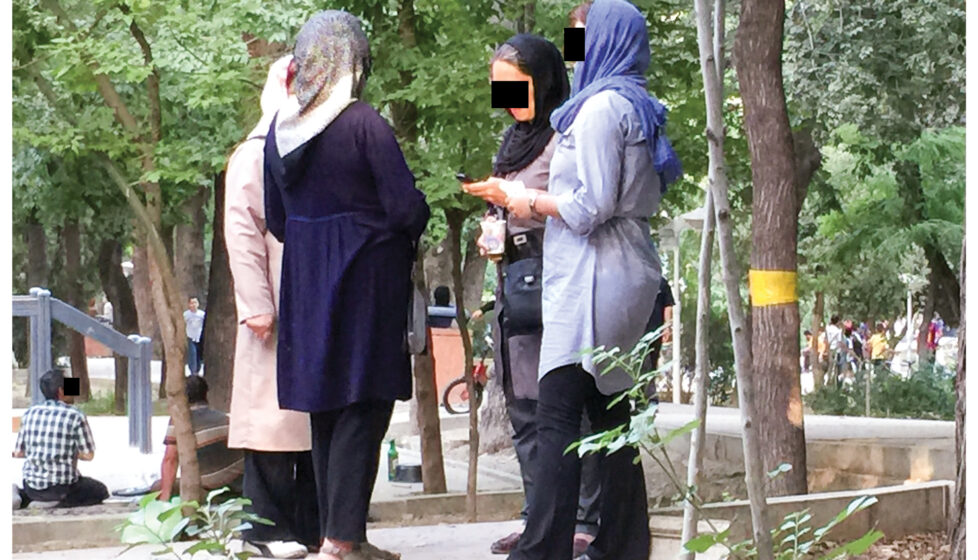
x: 600, y: 269
x: 522, y: 352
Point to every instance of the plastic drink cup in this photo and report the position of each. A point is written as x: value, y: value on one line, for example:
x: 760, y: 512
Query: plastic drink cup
x: 494, y: 236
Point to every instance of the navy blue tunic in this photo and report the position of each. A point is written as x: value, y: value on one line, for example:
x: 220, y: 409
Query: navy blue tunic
x: 346, y: 208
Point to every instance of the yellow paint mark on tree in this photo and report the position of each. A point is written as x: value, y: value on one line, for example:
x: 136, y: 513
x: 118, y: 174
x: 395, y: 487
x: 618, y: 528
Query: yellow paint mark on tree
x: 773, y: 287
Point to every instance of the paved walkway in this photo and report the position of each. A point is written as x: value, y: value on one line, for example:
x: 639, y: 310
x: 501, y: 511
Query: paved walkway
x: 434, y: 542
x: 120, y: 466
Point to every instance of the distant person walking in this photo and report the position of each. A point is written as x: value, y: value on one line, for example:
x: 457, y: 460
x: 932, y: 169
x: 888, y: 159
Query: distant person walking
x: 194, y: 317
x: 879, y: 348
x: 53, y: 436
x: 278, y: 473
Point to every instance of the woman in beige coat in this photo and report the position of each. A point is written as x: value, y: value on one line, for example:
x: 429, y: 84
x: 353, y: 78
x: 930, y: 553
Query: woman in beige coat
x: 279, y: 478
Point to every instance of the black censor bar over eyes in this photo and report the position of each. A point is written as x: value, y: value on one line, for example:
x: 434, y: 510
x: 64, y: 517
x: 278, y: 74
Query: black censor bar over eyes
x: 72, y: 386
x: 510, y: 95
x: 573, y: 44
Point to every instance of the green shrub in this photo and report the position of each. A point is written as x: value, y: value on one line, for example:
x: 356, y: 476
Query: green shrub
x: 928, y: 393
x: 793, y: 536
x: 214, y: 523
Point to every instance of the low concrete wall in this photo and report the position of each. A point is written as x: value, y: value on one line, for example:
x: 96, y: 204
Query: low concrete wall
x: 901, y: 510
x: 490, y: 505
x: 37, y: 533
x: 833, y: 465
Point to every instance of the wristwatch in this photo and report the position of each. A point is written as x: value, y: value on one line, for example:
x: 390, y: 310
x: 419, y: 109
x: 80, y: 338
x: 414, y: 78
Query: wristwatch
x: 532, y: 194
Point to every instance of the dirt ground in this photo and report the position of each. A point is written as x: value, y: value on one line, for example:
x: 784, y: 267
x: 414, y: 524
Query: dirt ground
x: 926, y: 546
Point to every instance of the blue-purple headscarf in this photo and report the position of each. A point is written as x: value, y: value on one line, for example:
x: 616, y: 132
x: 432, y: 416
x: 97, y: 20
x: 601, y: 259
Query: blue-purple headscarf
x: 616, y: 56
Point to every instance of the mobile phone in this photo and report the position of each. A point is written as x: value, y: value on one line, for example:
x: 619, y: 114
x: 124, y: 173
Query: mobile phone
x: 464, y: 177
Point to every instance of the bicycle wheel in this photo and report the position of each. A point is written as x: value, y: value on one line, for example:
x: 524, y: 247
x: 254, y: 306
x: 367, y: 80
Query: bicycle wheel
x: 456, y: 397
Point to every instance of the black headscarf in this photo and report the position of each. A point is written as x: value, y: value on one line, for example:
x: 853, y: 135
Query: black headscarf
x: 523, y: 142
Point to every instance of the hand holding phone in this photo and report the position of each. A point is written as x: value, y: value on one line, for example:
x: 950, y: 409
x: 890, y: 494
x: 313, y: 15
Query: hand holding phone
x: 464, y: 177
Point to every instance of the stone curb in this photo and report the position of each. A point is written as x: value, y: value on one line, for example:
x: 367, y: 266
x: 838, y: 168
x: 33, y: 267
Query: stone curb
x: 33, y: 533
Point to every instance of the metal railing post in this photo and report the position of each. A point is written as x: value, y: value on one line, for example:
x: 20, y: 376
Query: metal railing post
x: 40, y: 342
x: 145, y: 375
x: 140, y: 395
x: 132, y: 402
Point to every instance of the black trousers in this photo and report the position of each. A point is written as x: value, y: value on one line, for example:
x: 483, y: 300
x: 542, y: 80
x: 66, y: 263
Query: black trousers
x: 346, y: 454
x: 282, y: 488
x: 84, y: 492
x: 624, y: 532
x: 522, y: 415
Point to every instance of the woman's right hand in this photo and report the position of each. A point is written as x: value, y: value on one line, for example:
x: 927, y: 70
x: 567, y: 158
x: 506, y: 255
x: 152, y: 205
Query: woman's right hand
x: 261, y: 325
x: 489, y: 190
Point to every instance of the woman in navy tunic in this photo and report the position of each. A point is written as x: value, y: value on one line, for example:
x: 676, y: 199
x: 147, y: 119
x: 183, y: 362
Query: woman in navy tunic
x: 340, y: 196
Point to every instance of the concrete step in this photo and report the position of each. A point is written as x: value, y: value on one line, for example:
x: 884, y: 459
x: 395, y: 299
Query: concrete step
x: 667, y: 533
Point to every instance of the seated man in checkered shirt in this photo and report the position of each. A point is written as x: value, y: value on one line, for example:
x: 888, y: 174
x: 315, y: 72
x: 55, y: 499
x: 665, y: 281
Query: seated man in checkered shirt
x: 53, y: 436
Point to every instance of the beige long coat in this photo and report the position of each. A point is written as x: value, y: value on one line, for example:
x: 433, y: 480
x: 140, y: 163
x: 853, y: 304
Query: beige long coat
x: 257, y: 422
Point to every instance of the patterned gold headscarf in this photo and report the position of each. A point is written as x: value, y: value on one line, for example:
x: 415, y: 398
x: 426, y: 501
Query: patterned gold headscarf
x: 331, y: 61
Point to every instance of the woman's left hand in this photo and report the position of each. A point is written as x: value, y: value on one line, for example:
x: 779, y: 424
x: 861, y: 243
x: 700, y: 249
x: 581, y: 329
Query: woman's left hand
x: 489, y: 190
x: 518, y: 205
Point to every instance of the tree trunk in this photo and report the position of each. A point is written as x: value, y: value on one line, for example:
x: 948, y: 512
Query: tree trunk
x: 438, y: 270
x: 405, y: 113
x: 735, y: 308
x: 774, y: 260
x: 700, y: 399
x: 124, y: 316
x: 923, y: 353
x: 947, y: 289
x: 405, y: 117
x: 957, y: 533
x: 495, y: 428
x: 188, y: 249
x: 473, y: 273
x: 818, y: 313
x: 426, y: 397
x: 528, y: 18
x: 37, y: 271
x: 148, y: 325
x: 166, y: 294
x: 946, y: 286
x: 76, y: 298
x: 146, y: 315
x: 37, y: 254
x: 456, y: 219
x: 694, y: 463
x: 438, y: 266
x: 220, y: 326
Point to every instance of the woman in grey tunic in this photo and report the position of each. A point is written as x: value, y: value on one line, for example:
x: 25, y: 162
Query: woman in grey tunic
x: 524, y: 157
x: 600, y: 278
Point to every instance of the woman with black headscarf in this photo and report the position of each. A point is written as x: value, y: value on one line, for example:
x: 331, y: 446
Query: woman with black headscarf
x: 524, y: 157
x: 340, y: 196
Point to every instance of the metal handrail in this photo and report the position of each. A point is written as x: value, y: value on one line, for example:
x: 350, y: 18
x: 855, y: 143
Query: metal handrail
x: 41, y: 308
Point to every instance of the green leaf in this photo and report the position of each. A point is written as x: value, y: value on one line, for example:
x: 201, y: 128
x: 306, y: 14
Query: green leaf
x: 682, y: 430
x: 209, y: 546
x: 145, y: 500
x: 701, y: 543
x: 139, y: 534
